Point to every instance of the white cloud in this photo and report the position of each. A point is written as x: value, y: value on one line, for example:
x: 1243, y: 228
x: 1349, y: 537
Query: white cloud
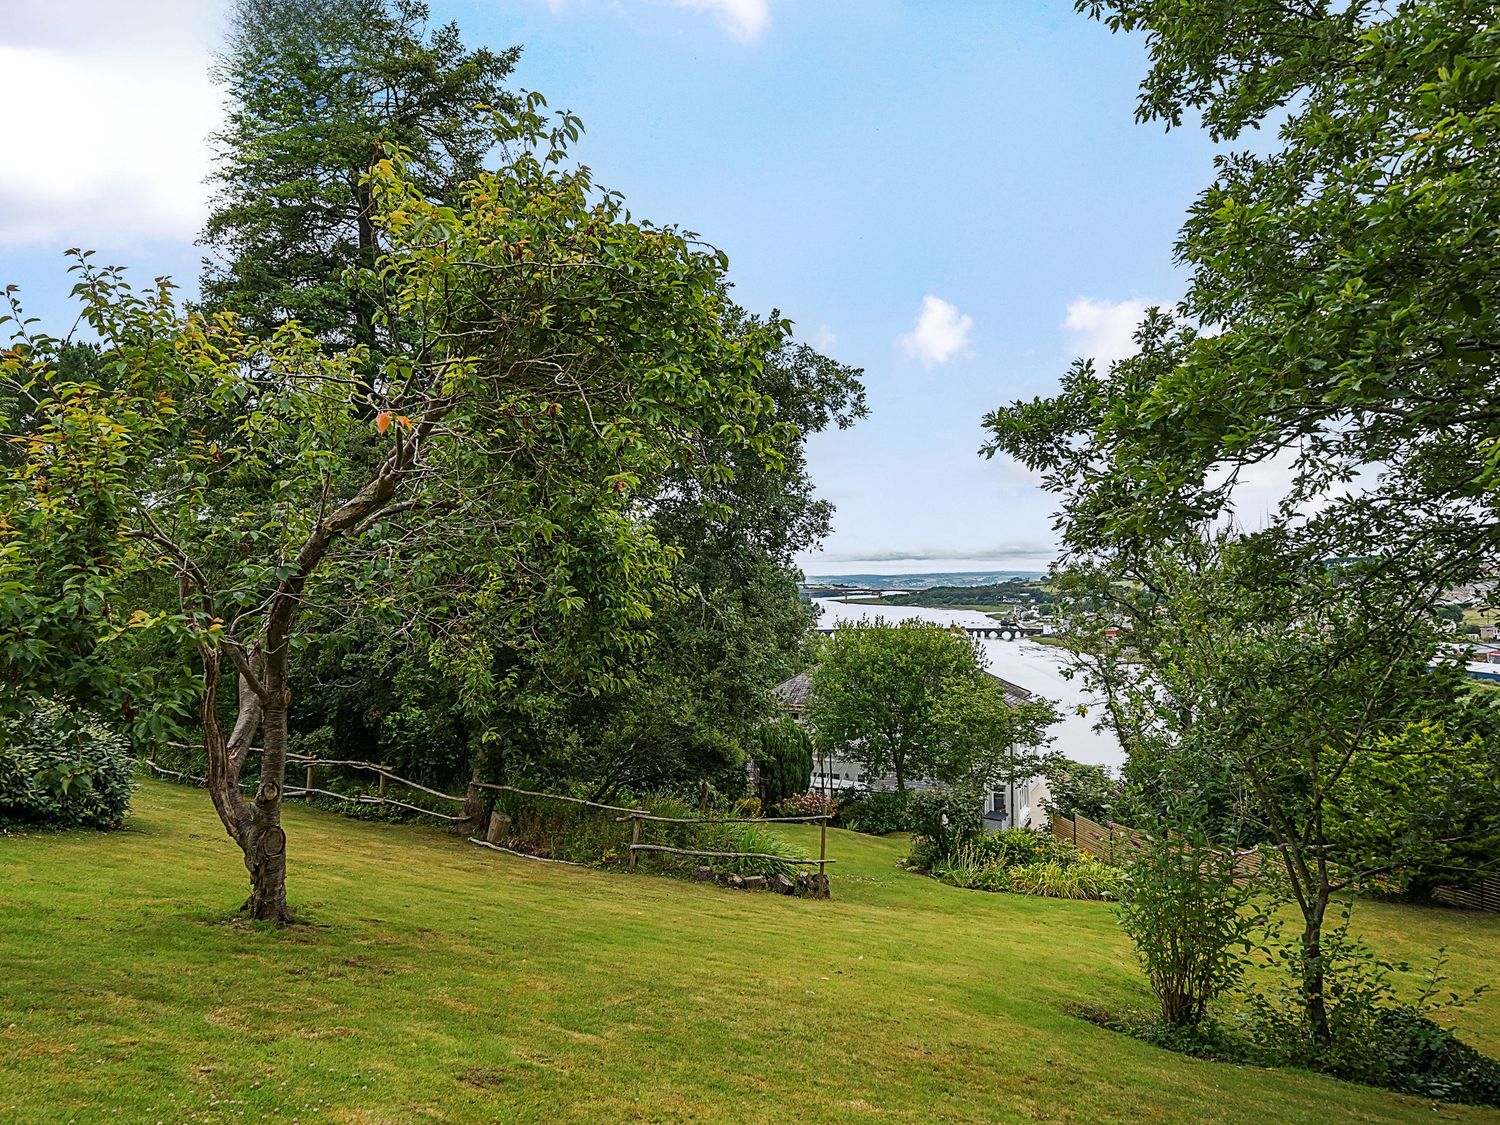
x: 1103, y: 330
x: 822, y: 338
x: 743, y: 19
x: 940, y: 333
x: 110, y: 109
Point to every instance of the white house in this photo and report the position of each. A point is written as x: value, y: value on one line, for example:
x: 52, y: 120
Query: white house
x: 1006, y: 804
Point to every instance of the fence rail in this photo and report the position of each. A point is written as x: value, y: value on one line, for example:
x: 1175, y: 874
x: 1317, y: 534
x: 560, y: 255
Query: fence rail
x: 635, y: 815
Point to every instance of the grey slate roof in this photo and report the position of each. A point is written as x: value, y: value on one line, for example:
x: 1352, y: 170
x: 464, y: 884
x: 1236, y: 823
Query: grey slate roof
x: 793, y: 694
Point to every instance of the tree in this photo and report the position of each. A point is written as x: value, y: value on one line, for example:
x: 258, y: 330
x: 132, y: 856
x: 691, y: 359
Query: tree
x: 1350, y: 276
x: 784, y: 757
x: 1354, y: 757
x: 317, y: 87
x: 913, y: 700
x: 688, y: 704
x: 1340, y: 318
x: 318, y: 90
x: 542, y: 357
x: 985, y: 737
x: 1080, y: 789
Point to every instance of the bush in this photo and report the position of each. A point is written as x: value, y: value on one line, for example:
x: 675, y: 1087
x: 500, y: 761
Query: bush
x: 947, y: 819
x: 1022, y: 861
x: 1085, y: 879
x: 1019, y: 847
x: 63, y: 768
x: 1189, y: 922
x: 1377, y: 1039
x: 747, y: 807
x: 811, y: 803
x: 877, y: 813
x: 968, y: 869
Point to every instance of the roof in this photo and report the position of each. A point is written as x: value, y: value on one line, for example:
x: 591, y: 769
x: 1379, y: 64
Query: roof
x: 1015, y: 694
x: 794, y: 694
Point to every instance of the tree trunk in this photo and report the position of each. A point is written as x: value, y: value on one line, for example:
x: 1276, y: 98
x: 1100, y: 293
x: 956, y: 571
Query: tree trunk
x: 264, y: 841
x: 1313, y: 975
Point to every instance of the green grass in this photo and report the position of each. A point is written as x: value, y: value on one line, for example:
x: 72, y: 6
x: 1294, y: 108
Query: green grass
x: 438, y: 981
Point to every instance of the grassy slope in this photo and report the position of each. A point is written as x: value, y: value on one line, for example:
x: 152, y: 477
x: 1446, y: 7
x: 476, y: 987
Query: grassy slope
x: 443, y: 982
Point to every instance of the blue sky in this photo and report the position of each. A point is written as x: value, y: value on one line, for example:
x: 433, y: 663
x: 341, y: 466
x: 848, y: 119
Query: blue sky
x: 952, y: 194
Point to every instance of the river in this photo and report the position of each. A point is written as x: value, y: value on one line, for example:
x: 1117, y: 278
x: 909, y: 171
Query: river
x: 1037, y: 668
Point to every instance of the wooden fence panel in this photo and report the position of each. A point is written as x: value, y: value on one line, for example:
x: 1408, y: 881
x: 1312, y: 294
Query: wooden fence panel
x: 1116, y: 842
x: 1483, y: 895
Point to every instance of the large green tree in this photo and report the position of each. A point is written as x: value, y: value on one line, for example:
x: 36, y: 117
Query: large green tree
x: 1339, y: 324
x: 913, y: 701
x: 1344, y: 279
x: 544, y: 359
x: 316, y: 90
x: 316, y: 87
x: 694, y: 683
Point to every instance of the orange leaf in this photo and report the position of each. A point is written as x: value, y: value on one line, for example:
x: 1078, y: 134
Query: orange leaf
x: 383, y: 421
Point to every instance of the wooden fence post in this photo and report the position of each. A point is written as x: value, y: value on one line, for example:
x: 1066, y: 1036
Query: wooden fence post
x: 635, y: 838
x: 382, y: 785
x: 309, y: 780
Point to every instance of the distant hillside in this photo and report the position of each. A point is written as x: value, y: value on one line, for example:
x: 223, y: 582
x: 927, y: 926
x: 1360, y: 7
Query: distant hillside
x: 1016, y: 594
x: 923, y: 581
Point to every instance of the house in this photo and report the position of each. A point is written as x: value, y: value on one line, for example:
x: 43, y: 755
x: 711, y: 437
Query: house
x: 1006, y: 804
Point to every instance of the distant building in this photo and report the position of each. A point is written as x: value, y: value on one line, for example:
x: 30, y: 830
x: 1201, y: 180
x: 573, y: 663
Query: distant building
x: 1006, y: 804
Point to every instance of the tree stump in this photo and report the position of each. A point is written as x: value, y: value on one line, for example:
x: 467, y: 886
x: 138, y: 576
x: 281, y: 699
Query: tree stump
x: 499, y: 829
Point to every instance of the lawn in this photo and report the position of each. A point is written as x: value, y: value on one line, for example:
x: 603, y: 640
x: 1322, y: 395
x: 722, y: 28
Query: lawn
x: 437, y: 981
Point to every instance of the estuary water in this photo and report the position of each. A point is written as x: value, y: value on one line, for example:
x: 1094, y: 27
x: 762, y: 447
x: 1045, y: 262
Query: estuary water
x: 1037, y: 668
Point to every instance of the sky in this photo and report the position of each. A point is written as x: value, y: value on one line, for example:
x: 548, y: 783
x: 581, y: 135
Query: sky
x: 953, y: 195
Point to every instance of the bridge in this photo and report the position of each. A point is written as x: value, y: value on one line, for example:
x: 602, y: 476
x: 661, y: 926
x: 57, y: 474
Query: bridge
x: 999, y: 631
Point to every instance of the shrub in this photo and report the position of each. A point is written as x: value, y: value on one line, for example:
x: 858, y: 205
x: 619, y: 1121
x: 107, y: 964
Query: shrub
x: 63, y: 768
x: 1018, y: 847
x: 811, y: 803
x: 747, y: 807
x: 1085, y: 879
x: 942, y: 821
x: 1189, y: 922
x: 968, y: 869
x: 877, y: 813
x: 1021, y: 861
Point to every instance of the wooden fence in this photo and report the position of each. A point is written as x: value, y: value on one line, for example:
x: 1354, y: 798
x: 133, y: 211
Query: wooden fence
x: 818, y: 886
x: 1112, y: 843
x: 1115, y: 843
x: 1482, y: 895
